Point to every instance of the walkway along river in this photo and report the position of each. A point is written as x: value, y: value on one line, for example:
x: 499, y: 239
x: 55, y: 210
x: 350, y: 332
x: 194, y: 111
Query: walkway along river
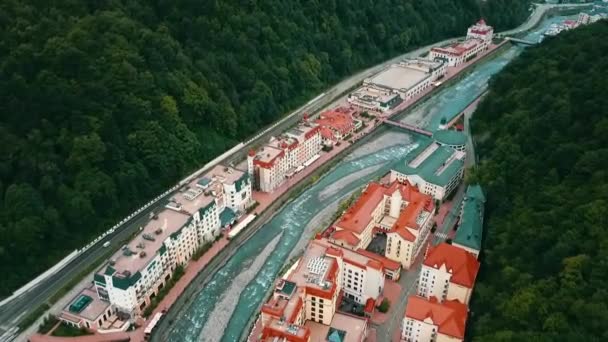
x: 234, y: 293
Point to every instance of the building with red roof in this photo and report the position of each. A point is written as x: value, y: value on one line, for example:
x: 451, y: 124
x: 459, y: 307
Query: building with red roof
x: 479, y: 37
x: 359, y: 220
x: 336, y: 124
x: 414, y: 219
x: 448, y: 273
x: 313, y: 289
x: 432, y: 320
x: 399, y: 209
x: 283, y: 156
x: 482, y: 31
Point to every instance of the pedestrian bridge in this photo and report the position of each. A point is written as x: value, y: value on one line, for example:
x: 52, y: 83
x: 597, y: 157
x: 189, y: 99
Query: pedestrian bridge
x: 410, y: 128
x: 521, y: 41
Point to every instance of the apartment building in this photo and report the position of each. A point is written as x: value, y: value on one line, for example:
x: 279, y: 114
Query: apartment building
x: 283, y: 156
x: 231, y: 188
x: 408, y: 78
x: 355, y: 227
x: 429, y: 320
x: 470, y: 228
x: 435, y: 169
x: 306, y: 301
x: 448, y: 273
x: 410, y: 218
x: 479, y: 38
x: 135, y: 274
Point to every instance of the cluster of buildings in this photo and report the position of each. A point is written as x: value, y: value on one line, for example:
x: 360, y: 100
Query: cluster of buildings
x: 304, y: 304
x: 598, y: 12
x: 133, y: 277
x: 397, y: 83
x: 284, y: 156
x: 439, y: 310
x: 478, y: 39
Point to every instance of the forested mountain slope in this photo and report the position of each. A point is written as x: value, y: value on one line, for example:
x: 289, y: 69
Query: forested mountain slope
x: 104, y: 103
x: 542, y: 135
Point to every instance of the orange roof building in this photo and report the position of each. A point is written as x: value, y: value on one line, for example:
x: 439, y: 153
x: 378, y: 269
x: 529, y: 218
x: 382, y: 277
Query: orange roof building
x: 313, y: 289
x: 448, y: 273
x: 354, y: 229
x: 432, y: 320
x: 414, y: 218
x: 399, y: 209
x: 338, y: 121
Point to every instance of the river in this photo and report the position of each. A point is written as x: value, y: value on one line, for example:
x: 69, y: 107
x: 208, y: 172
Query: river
x: 221, y: 311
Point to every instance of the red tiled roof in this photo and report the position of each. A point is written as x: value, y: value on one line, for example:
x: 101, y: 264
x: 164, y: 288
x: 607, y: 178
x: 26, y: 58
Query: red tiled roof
x: 450, y: 317
x: 359, y: 215
x: 339, y: 120
x: 418, y: 202
x: 386, y: 262
x: 346, y: 236
x: 327, y: 133
x: 463, y: 265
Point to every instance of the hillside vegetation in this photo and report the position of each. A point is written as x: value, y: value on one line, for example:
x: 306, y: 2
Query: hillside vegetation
x: 543, y: 142
x: 105, y: 103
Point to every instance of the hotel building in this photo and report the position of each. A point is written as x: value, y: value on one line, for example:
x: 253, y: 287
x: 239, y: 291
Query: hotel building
x: 470, y: 229
x: 479, y: 38
x: 399, y: 210
x: 428, y: 320
x: 448, y: 273
x: 413, y: 211
x: 408, y: 78
x: 136, y: 273
x: 305, y: 301
x: 281, y: 157
x: 435, y: 169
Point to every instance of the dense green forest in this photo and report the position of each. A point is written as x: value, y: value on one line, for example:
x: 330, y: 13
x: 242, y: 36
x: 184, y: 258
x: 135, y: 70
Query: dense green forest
x: 105, y: 103
x: 542, y: 136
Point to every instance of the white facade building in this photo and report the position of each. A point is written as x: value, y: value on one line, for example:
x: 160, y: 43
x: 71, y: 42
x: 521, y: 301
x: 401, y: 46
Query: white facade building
x: 479, y: 38
x: 435, y: 169
x: 428, y: 320
x: 408, y: 78
x: 135, y: 274
x: 448, y: 273
x: 282, y: 157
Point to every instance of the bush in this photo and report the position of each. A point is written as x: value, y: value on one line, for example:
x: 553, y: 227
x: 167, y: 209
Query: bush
x: 69, y: 331
x: 384, y: 306
x: 48, y: 323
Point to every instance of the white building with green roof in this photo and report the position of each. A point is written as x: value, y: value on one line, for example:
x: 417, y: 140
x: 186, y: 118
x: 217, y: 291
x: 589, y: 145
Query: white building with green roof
x: 451, y: 138
x: 435, y: 169
x: 469, y: 232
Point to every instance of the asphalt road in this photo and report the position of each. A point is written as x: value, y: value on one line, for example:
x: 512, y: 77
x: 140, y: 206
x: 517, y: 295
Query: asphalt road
x: 11, y: 313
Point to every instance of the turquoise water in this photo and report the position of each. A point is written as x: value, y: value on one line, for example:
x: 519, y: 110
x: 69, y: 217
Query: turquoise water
x: 221, y: 311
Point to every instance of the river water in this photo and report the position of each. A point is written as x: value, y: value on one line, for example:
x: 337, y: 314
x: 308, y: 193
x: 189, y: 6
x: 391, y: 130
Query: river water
x: 221, y: 311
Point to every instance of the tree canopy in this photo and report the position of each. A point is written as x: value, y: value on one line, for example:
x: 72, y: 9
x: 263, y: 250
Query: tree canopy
x: 542, y: 136
x: 105, y: 103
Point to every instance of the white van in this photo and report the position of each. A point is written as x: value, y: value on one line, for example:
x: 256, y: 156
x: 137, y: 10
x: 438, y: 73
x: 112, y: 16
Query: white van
x: 106, y: 244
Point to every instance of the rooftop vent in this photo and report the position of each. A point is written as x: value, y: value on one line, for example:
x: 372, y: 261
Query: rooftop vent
x: 142, y: 254
x: 141, y: 245
x: 158, y: 231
